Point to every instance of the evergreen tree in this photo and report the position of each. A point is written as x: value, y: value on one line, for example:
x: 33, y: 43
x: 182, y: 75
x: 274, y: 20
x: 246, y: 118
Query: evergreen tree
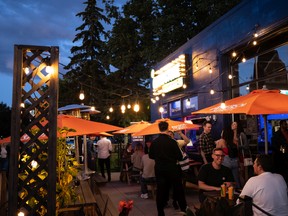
x: 86, y: 67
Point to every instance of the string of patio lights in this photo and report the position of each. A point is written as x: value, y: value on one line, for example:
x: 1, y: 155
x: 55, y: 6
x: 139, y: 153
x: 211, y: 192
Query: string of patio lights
x: 208, y: 65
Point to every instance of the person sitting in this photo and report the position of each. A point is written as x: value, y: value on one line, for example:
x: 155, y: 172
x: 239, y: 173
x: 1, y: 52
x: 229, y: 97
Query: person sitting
x: 136, y: 159
x: 148, y: 173
x: 126, y: 166
x: 268, y: 190
x: 212, y: 175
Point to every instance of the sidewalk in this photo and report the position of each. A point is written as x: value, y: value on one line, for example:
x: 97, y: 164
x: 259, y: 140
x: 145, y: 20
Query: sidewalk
x: 112, y: 192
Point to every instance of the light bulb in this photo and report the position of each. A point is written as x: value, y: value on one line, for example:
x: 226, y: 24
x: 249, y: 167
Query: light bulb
x: 21, y: 214
x: 123, y: 108
x: 26, y: 70
x: 136, y: 107
x: 234, y: 54
x: 129, y: 106
x: 243, y: 59
x: 111, y: 109
x: 161, y: 109
x: 157, y: 98
x: 107, y: 117
x: 210, y: 70
x: 34, y: 164
x: 163, y: 94
x: 230, y: 76
x: 184, y: 86
x: 22, y: 105
x: 188, y: 103
x: 49, y: 69
x: 254, y: 42
x: 81, y: 95
x: 247, y: 88
x: 93, y: 108
x: 212, y: 91
x: 256, y: 35
x: 223, y: 105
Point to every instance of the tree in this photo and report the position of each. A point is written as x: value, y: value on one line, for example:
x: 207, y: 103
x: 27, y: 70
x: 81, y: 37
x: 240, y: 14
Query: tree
x: 5, y: 120
x: 86, y: 65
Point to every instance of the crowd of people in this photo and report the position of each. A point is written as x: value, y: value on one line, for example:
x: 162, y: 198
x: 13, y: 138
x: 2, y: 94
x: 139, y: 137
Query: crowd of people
x: 223, y: 163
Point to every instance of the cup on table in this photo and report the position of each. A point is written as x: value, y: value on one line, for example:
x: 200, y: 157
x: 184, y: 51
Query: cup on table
x: 230, y: 193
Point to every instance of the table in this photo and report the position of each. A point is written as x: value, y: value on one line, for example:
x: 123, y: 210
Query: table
x: 214, y: 204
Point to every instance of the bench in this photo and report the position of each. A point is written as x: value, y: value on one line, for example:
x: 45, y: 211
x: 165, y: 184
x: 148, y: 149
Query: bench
x: 86, y: 202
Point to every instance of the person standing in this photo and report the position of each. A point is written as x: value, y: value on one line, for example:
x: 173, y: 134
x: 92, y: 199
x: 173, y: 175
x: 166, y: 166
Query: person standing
x: 206, y: 142
x: 104, y: 147
x: 91, y: 153
x: 165, y: 151
x: 230, y: 149
x: 268, y: 190
x: 148, y: 174
x: 280, y: 150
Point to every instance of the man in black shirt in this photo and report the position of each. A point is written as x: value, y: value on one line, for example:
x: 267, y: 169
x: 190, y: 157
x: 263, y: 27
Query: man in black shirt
x: 212, y: 175
x: 165, y: 151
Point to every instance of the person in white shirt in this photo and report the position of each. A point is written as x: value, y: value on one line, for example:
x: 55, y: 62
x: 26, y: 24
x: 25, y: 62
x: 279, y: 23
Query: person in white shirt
x: 104, y: 148
x: 268, y: 190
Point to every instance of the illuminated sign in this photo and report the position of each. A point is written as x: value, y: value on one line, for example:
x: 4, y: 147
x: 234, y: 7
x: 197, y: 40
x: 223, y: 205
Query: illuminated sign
x: 169, y: 77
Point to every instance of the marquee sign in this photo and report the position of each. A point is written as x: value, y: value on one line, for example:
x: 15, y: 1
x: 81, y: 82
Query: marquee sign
x: 169, y: 77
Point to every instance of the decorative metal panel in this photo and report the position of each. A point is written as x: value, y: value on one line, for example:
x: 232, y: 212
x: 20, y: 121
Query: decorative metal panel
x: 32, y: 176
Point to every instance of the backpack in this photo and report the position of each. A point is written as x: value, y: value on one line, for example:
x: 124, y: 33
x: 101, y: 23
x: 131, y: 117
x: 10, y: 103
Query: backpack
x: 232, y: 150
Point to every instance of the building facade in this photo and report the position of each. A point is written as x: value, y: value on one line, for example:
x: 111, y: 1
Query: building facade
x: 244, y: 50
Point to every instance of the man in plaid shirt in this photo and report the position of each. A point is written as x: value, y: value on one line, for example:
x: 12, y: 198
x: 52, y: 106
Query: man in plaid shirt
x: 206, y: 142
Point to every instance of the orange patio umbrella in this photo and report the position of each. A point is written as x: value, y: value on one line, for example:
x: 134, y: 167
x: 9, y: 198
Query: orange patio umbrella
x: 258, y: 102
x: 24, y: 138
x: 5, y: 140
x: 133, y: 128
x: 173, y: 125
x: 82, y: 126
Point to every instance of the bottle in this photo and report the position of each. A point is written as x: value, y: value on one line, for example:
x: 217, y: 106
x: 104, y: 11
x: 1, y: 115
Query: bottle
x: 223, y: 190
x: 231, y: 193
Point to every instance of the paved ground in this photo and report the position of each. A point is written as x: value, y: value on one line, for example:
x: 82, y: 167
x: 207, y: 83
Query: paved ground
x: 115, y: 191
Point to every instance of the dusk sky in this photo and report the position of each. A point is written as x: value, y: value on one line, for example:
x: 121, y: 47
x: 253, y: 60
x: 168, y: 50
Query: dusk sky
x: 41, y: 23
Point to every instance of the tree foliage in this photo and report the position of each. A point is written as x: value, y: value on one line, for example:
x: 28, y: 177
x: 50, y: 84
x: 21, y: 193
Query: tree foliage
x: 143, y: 33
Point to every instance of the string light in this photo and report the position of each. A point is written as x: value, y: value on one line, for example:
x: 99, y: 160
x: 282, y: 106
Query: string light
x: 49, y: 69
x: 107, y: 117
x: 184, y: 86
x: 111, y: 109
x: 212, y: 91
x: 234, y: 54
x: 210, y: 69
x: 136, y: 107
x: 81, y: 95
x: 223, y: 105
x: 188, y: 102
x: 26, y: 70
x: 243, y: 59
x: 230, y: 76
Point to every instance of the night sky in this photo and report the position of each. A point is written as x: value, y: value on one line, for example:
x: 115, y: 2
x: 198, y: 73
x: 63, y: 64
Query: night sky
x: 41, y: 23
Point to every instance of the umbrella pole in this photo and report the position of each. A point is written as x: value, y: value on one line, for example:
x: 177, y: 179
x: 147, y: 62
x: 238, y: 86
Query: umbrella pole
x: 76, y: 149
x: 265, y: 133
x: 85, y: 154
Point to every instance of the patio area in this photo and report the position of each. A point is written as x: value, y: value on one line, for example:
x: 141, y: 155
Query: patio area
x: 109, y: 194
